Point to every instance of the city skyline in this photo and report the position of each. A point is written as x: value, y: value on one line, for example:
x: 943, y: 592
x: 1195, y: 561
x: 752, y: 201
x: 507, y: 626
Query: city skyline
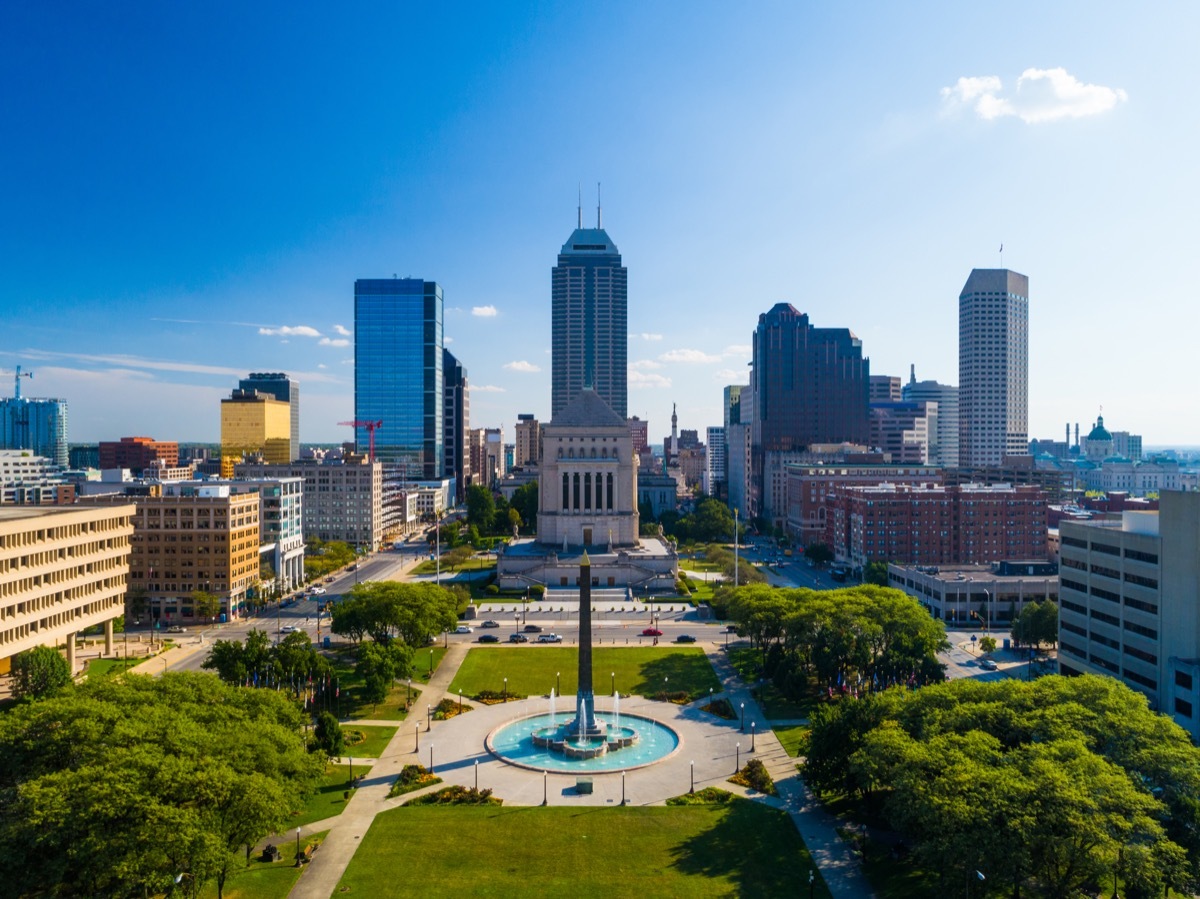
x: 226, y: 194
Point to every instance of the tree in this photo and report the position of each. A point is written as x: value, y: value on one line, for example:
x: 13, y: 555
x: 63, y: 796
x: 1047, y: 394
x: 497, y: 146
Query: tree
x: 818, y: 553
x: 481, y: 507
x: 987, y: 644
x: 135, y: 603
x: 205, y: 604
x: 876, y: 573
x: 525, y: 501
x: 711, y: 521
x: 414, y: 612
x: 113, y: 787
x: 39, y: 672
x: 228, y: 659
x: 379, y: 666
x: 1037, y: 624
x: 328, y: 735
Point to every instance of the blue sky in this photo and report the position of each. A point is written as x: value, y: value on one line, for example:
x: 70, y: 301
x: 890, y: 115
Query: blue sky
x: 189, y: 192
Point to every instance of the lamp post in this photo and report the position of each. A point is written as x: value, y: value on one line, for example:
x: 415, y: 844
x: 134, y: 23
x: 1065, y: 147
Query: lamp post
x: 297, y: 847
x: 408, y: 698
x: 516, y: 623
x: 428, y: 718
x: 612, y: 684
x: 622, y: 788
x: 692, y: 788
x: 430, y: 758
x: 417, y: 734
x: 545, y: 789
x: 476, y: 775
x: 812, y: 877
x: 751, y: 736
x: 743, y: 726
x: 737, y: 758
x: 460, y: 700
x: 431, y: 663
x: 557, y: 683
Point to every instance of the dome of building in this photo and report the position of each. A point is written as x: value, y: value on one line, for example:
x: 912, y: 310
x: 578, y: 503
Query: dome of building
x: 1099, y: 432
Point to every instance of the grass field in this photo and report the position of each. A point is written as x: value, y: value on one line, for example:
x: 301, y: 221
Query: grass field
x: 327, y: 801
x: 376, y: 741
x: 643, y: 670
x: 739, y: 849
x: 263, y: 880
x: 791, y: 738
x: 109, y: 667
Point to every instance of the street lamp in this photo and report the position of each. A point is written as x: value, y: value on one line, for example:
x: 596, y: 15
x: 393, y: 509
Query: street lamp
x: 417, y: 734
x: 506, y: 689
x: 516, y: 623
x: 557, y: 683
x: 431, y: 663
x: 743, y: 717
x: 408, y: 698
x: 545, y: 789
x: 737, y: 758
x: 297, y: 847
x: 613, y: 684
x: 476, y: 775
x: 430, y: 758
x: 751, y: 736
x: 692, y: 789
x: 428, y: 718
x: 622, y: 788
x: 460, y: 700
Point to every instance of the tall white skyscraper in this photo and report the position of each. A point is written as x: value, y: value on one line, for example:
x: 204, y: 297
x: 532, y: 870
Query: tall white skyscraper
x: 943, y: 442
x: 993, y: 367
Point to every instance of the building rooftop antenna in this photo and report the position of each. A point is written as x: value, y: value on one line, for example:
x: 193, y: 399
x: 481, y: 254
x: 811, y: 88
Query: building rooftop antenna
x: 599, y: 214
x: 579, y: 208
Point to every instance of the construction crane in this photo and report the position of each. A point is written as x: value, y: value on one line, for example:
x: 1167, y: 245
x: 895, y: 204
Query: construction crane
x: 17, y: 382
x: 370, y: 426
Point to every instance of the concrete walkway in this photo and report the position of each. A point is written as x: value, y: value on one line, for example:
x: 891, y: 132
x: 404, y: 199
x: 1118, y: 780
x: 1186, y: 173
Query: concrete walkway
x: 320, y: 880
x: 836, y: 861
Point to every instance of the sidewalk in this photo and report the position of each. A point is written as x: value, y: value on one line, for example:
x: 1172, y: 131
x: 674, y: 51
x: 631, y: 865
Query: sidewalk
x: 836, y: 861
x: 320, y: 880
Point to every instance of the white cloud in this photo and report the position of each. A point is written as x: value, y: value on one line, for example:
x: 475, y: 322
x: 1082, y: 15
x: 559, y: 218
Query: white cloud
x: 125, y: 361
x: 522, y: 366
x: 488, y: 311
x: 322, y: 365
x: 688, y: 356
x: 738, y: 349
x: 486, y: 388
x: 646, y: 336
x: 289, y: 331
x: 1042, y: 95
x: 645, y: 364
x: 333, y: 341
x: 640, y: 380
x: 340, y: 329
x: 446, y: 340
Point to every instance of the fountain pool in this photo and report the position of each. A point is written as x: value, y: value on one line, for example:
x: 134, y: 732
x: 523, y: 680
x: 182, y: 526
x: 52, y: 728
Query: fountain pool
x: 514, y: 742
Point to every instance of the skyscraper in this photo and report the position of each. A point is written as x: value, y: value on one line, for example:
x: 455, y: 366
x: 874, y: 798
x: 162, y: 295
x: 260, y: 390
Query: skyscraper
x: 589, y: 320
x: 283, y: 388
x: 943, y: 443
x: 254, y: 423
x: 398, y: 374
x: 38, y: 425
x: 457, y: 414
x: 993, y: 367
x: 810, y: 384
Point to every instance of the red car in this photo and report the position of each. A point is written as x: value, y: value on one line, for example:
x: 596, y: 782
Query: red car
x: 651, y: 632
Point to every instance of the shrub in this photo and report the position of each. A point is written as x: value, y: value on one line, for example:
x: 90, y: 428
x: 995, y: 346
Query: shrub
x: 707, y: 796
x: 492, y: 590
x: 755, y: 776
x: 722, y: 708
x: 449, y: 708
x: 412, y: 777
x: 538, y: 590
x: 494, y: 697
x: 679, y: 697
x: 457, y: 795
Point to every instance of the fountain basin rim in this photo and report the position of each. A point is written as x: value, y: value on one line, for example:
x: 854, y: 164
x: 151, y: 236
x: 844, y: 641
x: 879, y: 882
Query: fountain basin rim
x: 599, y: 773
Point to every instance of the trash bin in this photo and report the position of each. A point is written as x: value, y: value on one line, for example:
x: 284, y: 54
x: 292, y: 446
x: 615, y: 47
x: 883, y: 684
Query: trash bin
x: 1006, y: 642
x: 325, y: 642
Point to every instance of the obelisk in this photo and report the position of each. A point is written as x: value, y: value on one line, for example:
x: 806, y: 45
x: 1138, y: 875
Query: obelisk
x: 585, y: 701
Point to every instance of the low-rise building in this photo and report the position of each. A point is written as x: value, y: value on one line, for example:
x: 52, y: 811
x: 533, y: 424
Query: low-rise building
x: 988, y: 596
x: 138, y: 453
x: 810, y: 485
x: 61, y: 571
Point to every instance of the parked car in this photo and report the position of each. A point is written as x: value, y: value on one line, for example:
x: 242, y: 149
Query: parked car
x: 651, y: 632
x: 549, y: 638
x: 177, y: 629
x: 489, y: 638
x: 988, y: 665
x: 517, y: 638
x: 533, y: 628
x: 490, y: 623
x: 464, y: 629
x: 685, y: 638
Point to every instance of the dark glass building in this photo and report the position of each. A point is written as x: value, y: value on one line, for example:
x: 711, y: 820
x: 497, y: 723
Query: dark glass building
x: 457, y: 415
x: 398, y: 375
x: 810, y: 384
x: 589, y: 323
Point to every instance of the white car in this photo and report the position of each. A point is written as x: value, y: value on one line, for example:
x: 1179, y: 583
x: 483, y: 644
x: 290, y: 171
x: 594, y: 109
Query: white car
x: 549, y: 638
x: 289, y: 629
x: 464, y: 629
x: 317, y: 591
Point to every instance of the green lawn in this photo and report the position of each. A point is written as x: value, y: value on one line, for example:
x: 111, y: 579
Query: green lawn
x: 739, y: 849
x: 470, y: 566
x: 108, y: 667
x: 264, y: 880
x: 644, y: 670
x: 327, y: 801
x: 791, y: 738
x: 377, y: 738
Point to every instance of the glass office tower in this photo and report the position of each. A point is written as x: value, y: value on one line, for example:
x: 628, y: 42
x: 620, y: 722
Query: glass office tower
x: 398, y: 374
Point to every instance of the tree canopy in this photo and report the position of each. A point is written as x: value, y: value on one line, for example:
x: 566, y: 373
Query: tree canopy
x: 1037, y: 624
x: 257, y: 661
x: 386, y: 609
x: 1046, y: 785
x: 39, y: 672
x: 481, y: 507
x: 114, y: 787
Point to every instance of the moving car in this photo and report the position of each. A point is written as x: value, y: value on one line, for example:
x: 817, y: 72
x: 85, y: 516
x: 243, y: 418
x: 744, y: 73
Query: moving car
x: 651, y: 632
x: 289, y: 629
x: 988, y: 665
x: 489, y: 638
x: 490, y: 623
x: 464, y: 629
x: 533, y: 628
x: 549, y: 638
x: 317, y: 591
x: 177, y: 629
x: 731, y: 628
x: 517, y: 638
x: 685, y: 638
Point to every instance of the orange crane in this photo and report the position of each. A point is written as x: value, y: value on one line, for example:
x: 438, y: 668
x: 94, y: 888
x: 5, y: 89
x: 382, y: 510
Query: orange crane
x: 370, y: 426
